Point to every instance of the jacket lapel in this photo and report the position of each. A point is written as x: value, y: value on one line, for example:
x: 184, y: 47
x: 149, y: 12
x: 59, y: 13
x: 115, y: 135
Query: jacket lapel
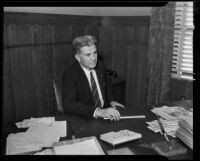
x: 86, y: 84
x: 84, y: 81
x: 101, y: 82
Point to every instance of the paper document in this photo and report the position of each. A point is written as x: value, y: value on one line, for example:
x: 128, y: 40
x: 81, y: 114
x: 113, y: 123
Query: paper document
x: 185, y: 131
x: 87, y: 147
x: 170, y: 117
x: 16, y: 145
x: 171, y: 113
x: 170, y: 126
x: 35, y: 121
x: 37, y: 136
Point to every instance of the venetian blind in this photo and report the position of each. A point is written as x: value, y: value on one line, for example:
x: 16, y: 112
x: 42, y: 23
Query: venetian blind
x: 182, y: 63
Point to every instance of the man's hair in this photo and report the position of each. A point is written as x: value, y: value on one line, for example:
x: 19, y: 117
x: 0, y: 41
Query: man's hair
x: 81, y: 41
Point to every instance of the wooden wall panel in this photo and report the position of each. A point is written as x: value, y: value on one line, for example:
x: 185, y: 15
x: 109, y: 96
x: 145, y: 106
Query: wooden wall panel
x: 42, y: 57
x: 92, y: 30
x: 19, y: 35
x: 78, y: 30
x: 8, y: 98
x: 120, y: 58
x: 62, y: 33
x: 137, y: 77
x: 139, y: 59
x: 128, y: 38
x: 105, y: 33
x: 9, y: 115
x: 42, y: 34
x: 63, y: 57
x: 43, y: 76
x: 121, y: 33
x: 6, y: 39
x: 23, y: 83
x: 40, y: 18
x: 105, y: 50
x: 39, y: 47
x: 141, y: 34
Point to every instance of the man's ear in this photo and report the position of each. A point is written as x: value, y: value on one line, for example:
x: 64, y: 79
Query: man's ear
x: 77, y: 57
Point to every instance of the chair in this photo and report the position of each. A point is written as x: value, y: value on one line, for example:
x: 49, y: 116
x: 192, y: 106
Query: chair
x: 57, y: 84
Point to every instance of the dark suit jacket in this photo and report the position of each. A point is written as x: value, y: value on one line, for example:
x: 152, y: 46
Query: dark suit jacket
x: 77, y: 95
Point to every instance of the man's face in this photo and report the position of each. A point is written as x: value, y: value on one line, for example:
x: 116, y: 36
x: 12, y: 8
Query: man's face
x: 87, y: 56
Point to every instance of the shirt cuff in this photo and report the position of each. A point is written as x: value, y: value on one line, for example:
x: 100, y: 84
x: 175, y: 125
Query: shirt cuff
x: 94, y: 115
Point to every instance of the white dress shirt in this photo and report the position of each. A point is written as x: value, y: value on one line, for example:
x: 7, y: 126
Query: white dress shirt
x: 87, y: 73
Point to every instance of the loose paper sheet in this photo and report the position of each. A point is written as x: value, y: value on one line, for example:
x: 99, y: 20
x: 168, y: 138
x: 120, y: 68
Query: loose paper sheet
x: 36, y: 137
x: 87, y: 147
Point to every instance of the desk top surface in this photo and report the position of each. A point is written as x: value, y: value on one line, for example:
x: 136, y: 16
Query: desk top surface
x: 82, y: 127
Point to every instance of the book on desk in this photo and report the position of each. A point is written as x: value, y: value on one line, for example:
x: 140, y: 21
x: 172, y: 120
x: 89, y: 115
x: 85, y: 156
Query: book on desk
x: 122, y: 136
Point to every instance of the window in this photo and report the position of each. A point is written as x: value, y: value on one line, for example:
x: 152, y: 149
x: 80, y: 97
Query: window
x: 182, y: 63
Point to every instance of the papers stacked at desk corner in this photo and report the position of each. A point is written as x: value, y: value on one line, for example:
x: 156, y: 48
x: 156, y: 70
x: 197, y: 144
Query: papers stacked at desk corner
x: 42, y: 132
x: 185, y: 131
x: 171, y: 113
x: 170, y: 126
x: 170, y: 117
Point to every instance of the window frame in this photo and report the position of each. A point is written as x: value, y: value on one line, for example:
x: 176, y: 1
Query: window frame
x: 183, y: 25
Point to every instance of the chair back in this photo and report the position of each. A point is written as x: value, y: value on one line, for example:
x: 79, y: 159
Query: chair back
x: 57, y: 84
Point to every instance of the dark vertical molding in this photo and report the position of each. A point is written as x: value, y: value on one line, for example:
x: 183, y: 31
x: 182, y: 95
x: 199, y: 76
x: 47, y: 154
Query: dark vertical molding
x: 131, y: 32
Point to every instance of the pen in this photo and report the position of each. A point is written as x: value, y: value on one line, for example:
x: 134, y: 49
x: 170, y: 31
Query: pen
x: 163, y: 132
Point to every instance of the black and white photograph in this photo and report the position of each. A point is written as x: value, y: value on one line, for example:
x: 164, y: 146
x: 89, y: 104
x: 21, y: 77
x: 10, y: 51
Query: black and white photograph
x: 99, y: 81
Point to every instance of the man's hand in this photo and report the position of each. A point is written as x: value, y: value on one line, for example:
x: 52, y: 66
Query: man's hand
x: 115, y: 104
x: 110, y: 113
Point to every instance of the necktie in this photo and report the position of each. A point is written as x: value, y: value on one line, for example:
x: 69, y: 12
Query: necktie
x: 95, y: 93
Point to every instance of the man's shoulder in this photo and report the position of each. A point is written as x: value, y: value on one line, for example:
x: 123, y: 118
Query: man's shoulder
x: 72, y: 69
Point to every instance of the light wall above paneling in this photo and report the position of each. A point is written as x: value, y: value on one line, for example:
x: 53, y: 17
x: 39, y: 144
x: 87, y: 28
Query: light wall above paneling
x: 87, y: 11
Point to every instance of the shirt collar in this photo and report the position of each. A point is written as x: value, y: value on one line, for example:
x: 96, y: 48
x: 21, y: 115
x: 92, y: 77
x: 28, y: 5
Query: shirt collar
x: 86, y: 70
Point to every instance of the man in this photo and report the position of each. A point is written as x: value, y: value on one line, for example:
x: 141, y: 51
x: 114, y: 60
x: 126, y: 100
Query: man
x: 86, y: 91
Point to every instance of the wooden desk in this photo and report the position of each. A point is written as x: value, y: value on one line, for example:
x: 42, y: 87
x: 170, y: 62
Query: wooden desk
x: 82, y: 127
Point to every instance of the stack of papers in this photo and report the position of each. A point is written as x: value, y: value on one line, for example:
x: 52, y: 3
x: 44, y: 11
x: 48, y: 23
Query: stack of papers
x: 171, y: 113
x: 35, y: 121
x: 37, y: 136
x: 185, y: 131
x: 170, y: 117
x: 169, y: 126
